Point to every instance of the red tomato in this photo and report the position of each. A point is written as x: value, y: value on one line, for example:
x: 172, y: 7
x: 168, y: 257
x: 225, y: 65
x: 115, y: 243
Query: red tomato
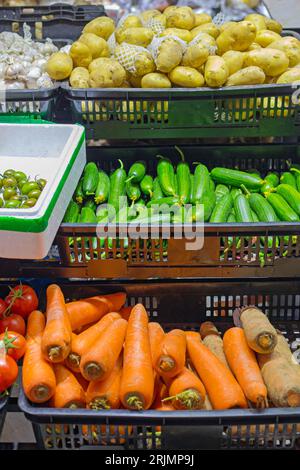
x: 22, y: 300
x: 8, y: 369
x: 3, y: 307
x: 17, y: 343
x: 13, y: 323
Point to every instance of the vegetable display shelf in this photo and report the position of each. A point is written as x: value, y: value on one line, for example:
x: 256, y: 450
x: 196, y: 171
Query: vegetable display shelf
x: 55, y: 21
x: 181, y: 305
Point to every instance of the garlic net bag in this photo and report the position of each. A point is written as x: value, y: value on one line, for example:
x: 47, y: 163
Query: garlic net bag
x: 201, y: 38
x: 157, y: 42
x: 126, y: 55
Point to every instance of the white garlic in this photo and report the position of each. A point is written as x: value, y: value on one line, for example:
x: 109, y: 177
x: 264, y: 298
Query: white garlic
x: 34, y: 72
x: 13, y: 84
x: 44, y: 81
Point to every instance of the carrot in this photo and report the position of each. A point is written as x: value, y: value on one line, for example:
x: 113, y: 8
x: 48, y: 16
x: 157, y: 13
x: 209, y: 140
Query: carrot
x: 105, y: 394
x: 156, y: 336
x: 37, y: 374
x: 223, y: 390
x: 84, y: 341
x: 161, y: 394
x: 68, y: 393
x: 57, y: 336
x: 186, y: 391
x: 98, y: 361
x: 170, y: 356
x: 84, y: 383
x: 213, y: 341
x: 260, y: 334
x: 137, y: 382
x: 125, y: 312
x: 193, y: 335
x: 244, y: 366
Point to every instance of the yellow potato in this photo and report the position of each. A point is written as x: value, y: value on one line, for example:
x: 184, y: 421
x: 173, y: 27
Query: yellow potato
x: 80, y: 54
x: 216, y: 71
x: 181, y: 17
x: 169, y: 10
x: 183, y: 34
x: 264, y: 37
x: 272, y: 61
x: 195, y: 56
x: 273, y: 25
x: 79, y: 78
x: 137, y: 36
x: 132, y: 21
x: 208, y: 28
x: 247, y: 76
x: 155, y: 80
x: 186, y: 77
x: 290, y: 46
x: 149, y: 14
x: 59, y: 66
x: 106, y: 73
x: 236, y: 37
x: 234, y: 61
x: 207, y: 41
x: 258, y: 20
x: 170, y: 54
x: 253, y: 46
x: 135, y: 82
x: 226, y: 25
x: 202, y: 18
x: 102, y: 27
x: 290, y: 76
x: 144, y: 63
x: 98, y: 46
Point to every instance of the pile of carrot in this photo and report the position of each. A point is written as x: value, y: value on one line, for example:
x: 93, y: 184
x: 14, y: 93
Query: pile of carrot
x: 96, y: 353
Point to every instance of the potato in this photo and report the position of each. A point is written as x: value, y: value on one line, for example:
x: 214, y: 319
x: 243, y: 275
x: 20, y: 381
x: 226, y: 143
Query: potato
x: 186, y: 77
x: 149, y: 14
x: 258, y: 20
x: 273, y: 25
x: 253, y: 46
x: 97, y: 46
x: 169, y: 55
x: 155, y: 80
x: 106, y: 73
x: 202, y: 18
x: 181, y: 17
x: 290, y: 76
x: 264, y: 37
x: 208, y: 28
x: 144, y: 63
x: 236, y: 37
x: 247, y: 76
x: 59, y: 66
x: 169, y: 10
x: 80, y: 54
x: 216, y: 71
x: 102, y: 27
x: 80, y: 78
x: 234, y: 61
x: 272, y: 61
x: 136, y: 36
x: 134, y: 80
x: 290, y: 46
x: 207, y: 41
x: 131, y: 21
x: 225, y: 25
x: 195, y: 56
x: 183, y: 34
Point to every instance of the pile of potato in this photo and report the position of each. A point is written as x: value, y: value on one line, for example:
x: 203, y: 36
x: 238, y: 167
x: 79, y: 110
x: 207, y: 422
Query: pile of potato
x: 178, y: 48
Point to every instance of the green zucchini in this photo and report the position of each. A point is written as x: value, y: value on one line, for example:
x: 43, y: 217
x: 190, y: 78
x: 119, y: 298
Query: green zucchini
x: 166, y: 176
x: 147, y: 185
x: 117, y: 187
x: 291, y: 196
x: 137, y: 172
x: 78, y: 195
x: 72, y: 212
x: 88, y: 216
x: 201, y: 183
x: 183, y: 179
x: 254, y: 216
x: 133, y: 191
x: 242, y: 209
x: 231, y: 219
x: 157, y: 192
x: 236, y: 178
x: 90, y: 203
x: 273, y: 179
x: 235, y: 192
x: 222, y: 210
x: 103, y: 186
x: 212, y: 185
x: 288, y: 178
x: 90, y: 179
x: 209, y: 201
x: 298, y: 181
x: 170, y: 201
x: 221, y: 190
x: 262, y: 208
x: 282, y: 208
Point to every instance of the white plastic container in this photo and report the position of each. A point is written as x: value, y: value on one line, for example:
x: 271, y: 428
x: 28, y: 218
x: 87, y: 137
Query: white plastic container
x: 55, y: 152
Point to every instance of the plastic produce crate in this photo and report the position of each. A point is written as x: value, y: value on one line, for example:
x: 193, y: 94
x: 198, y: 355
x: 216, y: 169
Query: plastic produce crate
x: 181, y: 305
x: 3, y: 408
x: 56, y: 21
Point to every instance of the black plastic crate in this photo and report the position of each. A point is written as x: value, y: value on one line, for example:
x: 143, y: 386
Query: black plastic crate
x: 55, y: 21
x: 181, y: 305
x: 3, y: 409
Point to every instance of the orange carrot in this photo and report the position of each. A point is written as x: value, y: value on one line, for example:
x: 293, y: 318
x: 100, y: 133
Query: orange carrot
x: 186, y: 391
x: 83, y: 342
x: 37, y: 374
x: 223, y: 390
x: 156, y: 336
x: 68, y: 393
x: 170, y: 356
x: 57, y: 336
x: 161, y: 394
x: 105, y: 394
x: 243, y: 364
x: 98, y: 361
x: 137, y: 382
x: 193, y: 335
x: 125, y: 312
x: 84, y: 383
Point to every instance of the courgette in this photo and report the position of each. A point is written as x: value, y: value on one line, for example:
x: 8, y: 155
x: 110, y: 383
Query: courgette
x: 201, y: 183
x: 291, y: 196
x: 222, y: 210
x: 170, y: 201
x: 147, y: 185
x: 242, y: 209
x: 90, y: 203
x: 88, y: 216
x: 78, y: 195
x: 236, y: 178
x: 221, y: 190
x: 166, y: 176
x: 72, y: 212
x: 235, y: 192
x: 288, y: 178
x: 137, y: 172
x: 262, y: 208
x: 183, y: 179
x: 209, y: 202
x: 212, y: 185
x: 157, y: 192
x: 103, y: 186
x: 133, y: 191
x: 282, y: 208
x: 90, y: 179
x: 117, y: 187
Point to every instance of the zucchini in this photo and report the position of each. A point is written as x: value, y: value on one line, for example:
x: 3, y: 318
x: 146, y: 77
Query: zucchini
x: 262, y: 208
x: 147, y: 185
x: 166, y: 176
x: 137, y: 172
x: 291, y: 196
x: 254, y: 216
x: 242, y: 209
x: 87, y: 216
x: 221, y: 190
x: 90, y: 179
x: 157, y: 192
x: 282, y: 208
x: 165, y: 200
x: 236, y: 178
x: 209, y: 202
x: 133, y: 191
x: 298, y: 181
x: 231, y: 219
x: 103, y: 186
x: 78, y: 195
x: 235, y: 192
x: 222, y: 210
x: 90, y: 203
x: 72, y: 212
x: 183, y: 179
x: 201, y: 183
x: 273, y: 179
x: 212, y: 185
x: 288, y: 178
x: 117, y: 187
